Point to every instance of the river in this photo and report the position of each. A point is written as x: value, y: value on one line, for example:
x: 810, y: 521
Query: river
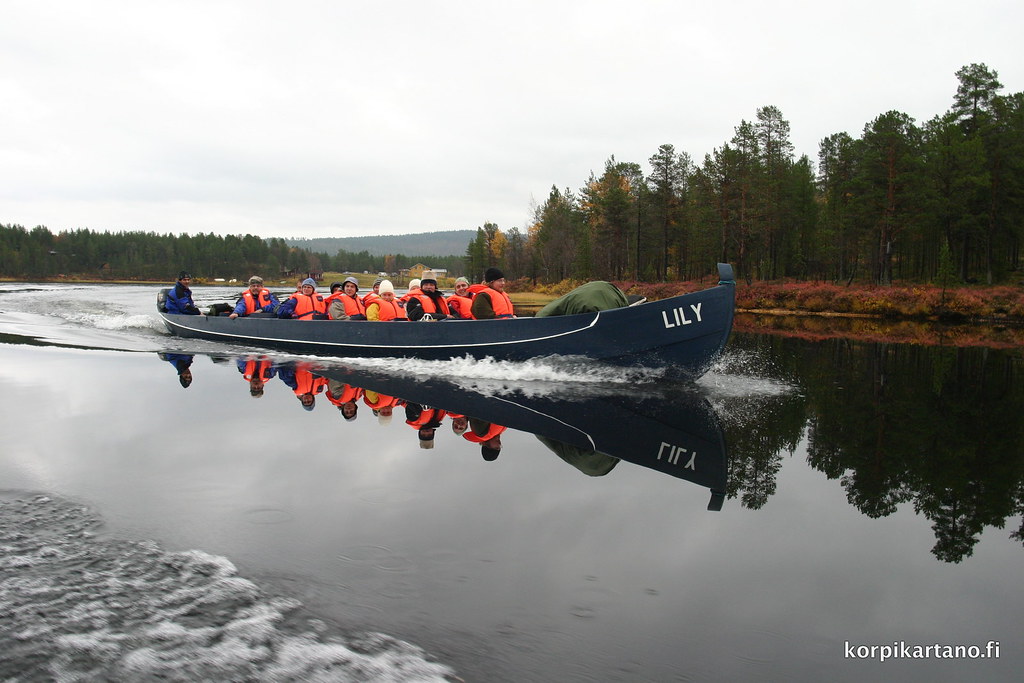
x: 178, y: 509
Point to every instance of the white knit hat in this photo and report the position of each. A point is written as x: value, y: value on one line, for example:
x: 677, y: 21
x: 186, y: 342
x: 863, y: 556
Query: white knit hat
x: 386, y: 286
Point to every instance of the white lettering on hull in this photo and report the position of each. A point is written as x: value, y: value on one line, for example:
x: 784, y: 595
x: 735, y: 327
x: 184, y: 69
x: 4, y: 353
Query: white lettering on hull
x: 682, y: 316
x: 674, y: 453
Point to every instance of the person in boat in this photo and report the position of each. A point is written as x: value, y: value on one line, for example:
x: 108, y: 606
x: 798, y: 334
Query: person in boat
x: 257, y: 371
x: 344, y: 396
x: 425, y: 420
x: 336, y: 292
x: 373, y: 293
x: 385, y: 307
x: 460, y: 302
x: 414, y: 289
x: 179, y: 297
x: 346, y: 304
x: 488, y: 435
x: 303, y: 383
x: 256, y: 300
x: 491, y: 301
x: 304, y: 305
x: 182, y: 363
x: 427, y: 301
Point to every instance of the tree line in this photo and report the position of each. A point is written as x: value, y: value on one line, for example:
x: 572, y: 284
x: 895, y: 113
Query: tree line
x: 941, y: 200
x: 136, y: 255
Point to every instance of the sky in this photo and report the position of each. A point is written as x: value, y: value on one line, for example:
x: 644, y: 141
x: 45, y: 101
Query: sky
x: 343, y: 119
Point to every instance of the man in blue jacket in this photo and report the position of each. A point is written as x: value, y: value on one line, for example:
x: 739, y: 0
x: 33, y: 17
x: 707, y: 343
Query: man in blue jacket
x: 179, y: 297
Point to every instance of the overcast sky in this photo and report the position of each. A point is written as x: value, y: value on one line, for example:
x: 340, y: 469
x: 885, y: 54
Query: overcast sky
x: 318, y: 119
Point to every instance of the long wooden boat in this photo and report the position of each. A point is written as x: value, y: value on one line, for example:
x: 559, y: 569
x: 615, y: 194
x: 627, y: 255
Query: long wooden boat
x: 684, y: 334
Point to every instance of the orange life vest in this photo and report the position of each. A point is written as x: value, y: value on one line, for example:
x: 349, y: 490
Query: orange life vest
x: 459, y: 305
x: 428, y: 303
x: 494, y: 431
x: 383, y: 400
x: 427, y: 416
x: 353, y: 305
x: 389, y: 310
x: 307, y: 305
x: 252, y: 303
x: 308, y: 383
x: 257, y: 368
x: 348, y: 394
x: 500, y: 302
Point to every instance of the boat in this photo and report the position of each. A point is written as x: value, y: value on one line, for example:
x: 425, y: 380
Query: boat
x: 684, y: 334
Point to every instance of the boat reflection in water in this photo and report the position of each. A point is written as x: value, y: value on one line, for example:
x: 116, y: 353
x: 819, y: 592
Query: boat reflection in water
x: 672, y: 430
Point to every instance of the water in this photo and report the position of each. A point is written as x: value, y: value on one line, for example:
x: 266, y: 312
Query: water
x: 872, y: 495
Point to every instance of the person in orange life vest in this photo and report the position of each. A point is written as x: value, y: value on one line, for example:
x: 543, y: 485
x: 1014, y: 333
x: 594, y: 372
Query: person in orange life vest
x: 255, y: 300
x: 385, y: 307
x: 373, y: 293
x: 460, y: 302
x: 303, y: 383
x: 344, y: 396
x: 492, y: 302
x: 347, y: 305
x: 488, y: 435
x: 425, y: 420
x: 414, y: 288
x: 427, y: 300
x: 334, y: 295
x: 382, y: 405
x: 256, y: 371
x: 304, y: 305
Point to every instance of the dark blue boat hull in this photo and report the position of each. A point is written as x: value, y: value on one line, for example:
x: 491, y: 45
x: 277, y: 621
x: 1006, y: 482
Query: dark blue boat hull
x: 684, y: 333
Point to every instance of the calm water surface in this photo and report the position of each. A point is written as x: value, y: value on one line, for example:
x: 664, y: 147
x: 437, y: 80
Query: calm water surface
x: 869, y: 494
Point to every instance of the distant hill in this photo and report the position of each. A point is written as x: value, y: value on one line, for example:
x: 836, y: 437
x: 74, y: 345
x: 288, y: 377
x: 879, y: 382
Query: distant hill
x: 442, y: 243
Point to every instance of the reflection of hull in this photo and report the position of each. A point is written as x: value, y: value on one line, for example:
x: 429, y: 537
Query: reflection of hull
x: 684, y: 333
x: 674, y: 431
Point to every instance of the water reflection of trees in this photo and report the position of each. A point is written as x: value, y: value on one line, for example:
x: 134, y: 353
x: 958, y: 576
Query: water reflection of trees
x: 937, y: 427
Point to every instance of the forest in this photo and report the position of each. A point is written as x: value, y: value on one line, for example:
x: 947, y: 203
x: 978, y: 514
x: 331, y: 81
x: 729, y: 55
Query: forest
x: 940, y: 201
x: 902, y: 201
x: 84, y: 253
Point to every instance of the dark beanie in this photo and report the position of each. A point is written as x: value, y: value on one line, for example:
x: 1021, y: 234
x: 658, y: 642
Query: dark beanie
x: 492, y: 274
x: 183, y: 274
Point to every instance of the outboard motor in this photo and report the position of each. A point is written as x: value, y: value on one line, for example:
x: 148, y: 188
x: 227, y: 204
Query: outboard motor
x: 161, y: 299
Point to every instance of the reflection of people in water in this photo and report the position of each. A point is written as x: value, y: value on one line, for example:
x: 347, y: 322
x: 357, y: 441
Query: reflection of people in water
x: 183, y: 364
x: 303, y: 383
x: 257, y: 371
x: 488, y: 435
x: 344, y: 396
x: 460, y: 423
x: 382, y: 405
x: 425, y: 420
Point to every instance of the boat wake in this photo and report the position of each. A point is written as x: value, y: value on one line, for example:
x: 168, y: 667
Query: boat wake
x: 80, y: 607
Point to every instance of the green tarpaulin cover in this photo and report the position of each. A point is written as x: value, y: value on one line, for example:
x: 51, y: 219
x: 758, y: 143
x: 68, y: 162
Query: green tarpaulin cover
x: 589, y: 298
